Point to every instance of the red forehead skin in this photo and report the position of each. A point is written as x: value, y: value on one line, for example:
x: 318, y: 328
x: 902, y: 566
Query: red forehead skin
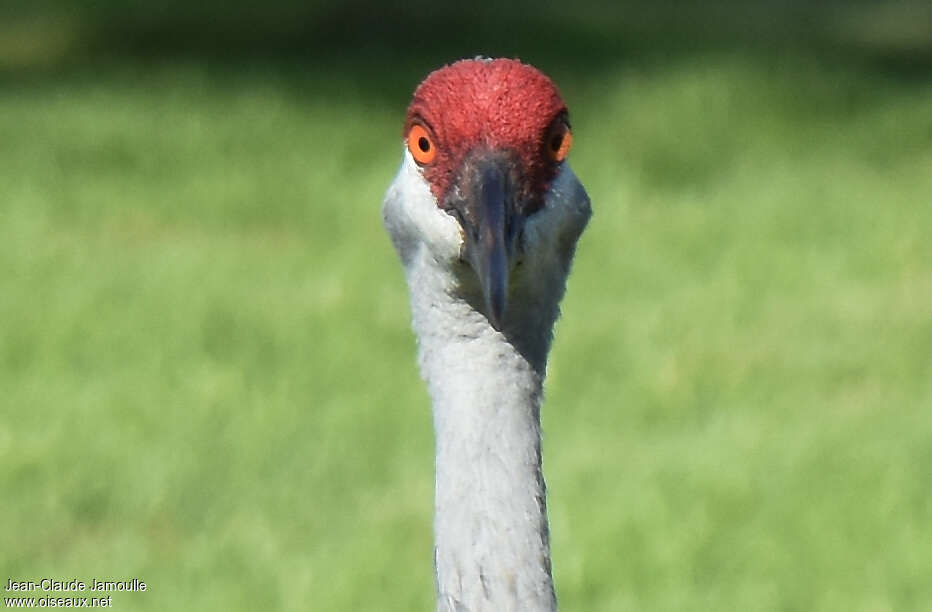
x: 492, y: 104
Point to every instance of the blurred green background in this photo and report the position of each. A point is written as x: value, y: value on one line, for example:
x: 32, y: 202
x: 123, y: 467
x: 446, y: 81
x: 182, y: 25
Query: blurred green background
x: 207, y: 377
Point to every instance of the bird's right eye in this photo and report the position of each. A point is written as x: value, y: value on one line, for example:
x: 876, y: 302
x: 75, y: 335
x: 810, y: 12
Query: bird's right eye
x: 421, y: 145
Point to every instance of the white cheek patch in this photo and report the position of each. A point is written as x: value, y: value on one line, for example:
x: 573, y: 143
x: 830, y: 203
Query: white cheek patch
x: 554, y: 230
x: 438, y: 230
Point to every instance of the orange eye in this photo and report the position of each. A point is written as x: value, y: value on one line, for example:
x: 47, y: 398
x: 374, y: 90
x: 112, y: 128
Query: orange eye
x: 421, y: 145
x: 559, y: 141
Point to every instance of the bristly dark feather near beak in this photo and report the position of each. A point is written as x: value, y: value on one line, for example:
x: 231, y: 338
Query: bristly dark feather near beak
x: 485, y: 205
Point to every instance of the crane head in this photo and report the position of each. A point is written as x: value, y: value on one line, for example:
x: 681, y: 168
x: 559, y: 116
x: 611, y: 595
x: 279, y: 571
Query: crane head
x: 484, y: 179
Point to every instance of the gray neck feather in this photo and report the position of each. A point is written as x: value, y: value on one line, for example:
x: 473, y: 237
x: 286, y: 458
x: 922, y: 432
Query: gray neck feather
x: 492, y: 549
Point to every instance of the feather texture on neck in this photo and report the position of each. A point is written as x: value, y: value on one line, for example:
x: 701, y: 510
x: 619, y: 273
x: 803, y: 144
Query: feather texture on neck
x: 492, y: 551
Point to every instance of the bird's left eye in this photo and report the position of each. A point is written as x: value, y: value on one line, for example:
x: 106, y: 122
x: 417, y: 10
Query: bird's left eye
x: 421, y: 145
x: 559, y: 141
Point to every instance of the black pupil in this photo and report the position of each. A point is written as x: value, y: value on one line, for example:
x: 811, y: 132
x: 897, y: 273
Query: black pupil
x: 423, y: 144
x: 556, y: 142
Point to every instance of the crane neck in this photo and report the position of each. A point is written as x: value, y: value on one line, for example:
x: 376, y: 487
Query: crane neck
x: 492, y: 550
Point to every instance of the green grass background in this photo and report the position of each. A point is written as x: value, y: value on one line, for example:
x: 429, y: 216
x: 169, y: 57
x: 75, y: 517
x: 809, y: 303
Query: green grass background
x: 207, y: 376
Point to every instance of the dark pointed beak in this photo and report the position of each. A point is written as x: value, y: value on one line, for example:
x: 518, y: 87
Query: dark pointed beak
x: 490, y: 223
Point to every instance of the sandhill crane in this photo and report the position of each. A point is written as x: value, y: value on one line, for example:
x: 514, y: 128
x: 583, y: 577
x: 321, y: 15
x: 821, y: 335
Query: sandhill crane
x: 485, y: 213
